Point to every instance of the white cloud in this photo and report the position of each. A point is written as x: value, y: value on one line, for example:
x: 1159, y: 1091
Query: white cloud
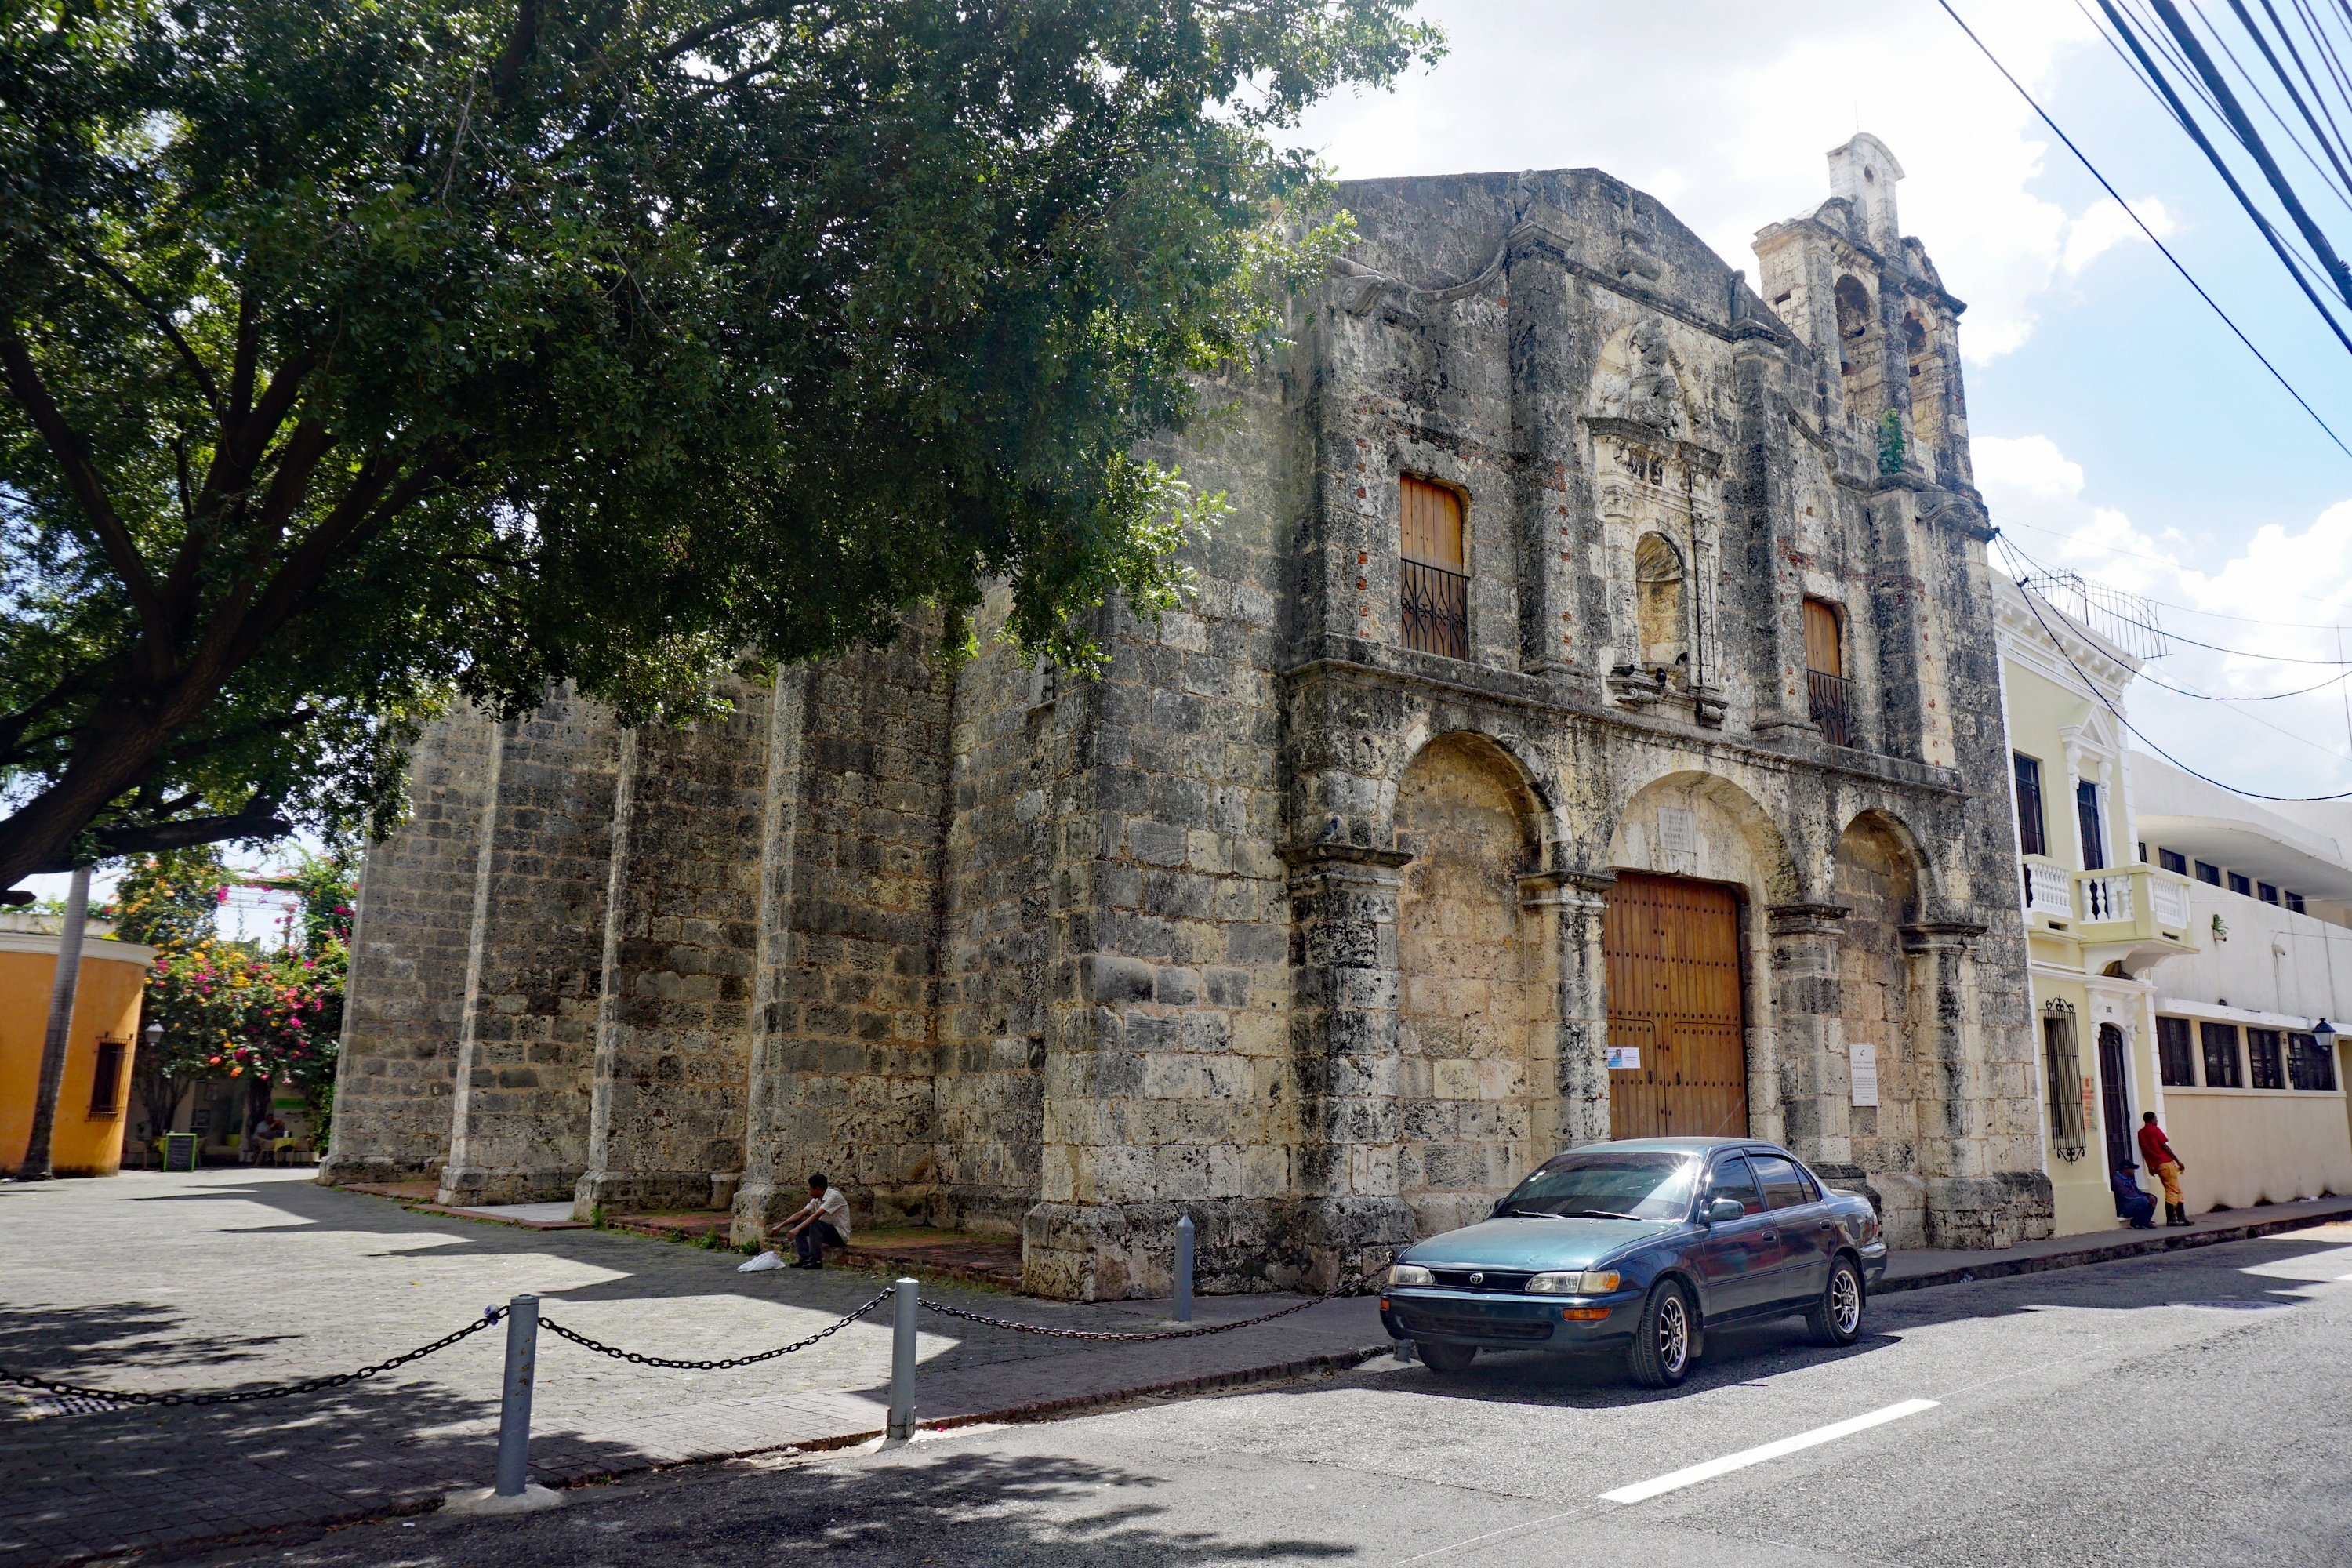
x: 2106, y: 224
x: 1724, y: 109
x: 2271, y: 600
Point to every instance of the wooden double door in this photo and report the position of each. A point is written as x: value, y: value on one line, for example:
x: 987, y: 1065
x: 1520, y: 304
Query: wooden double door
x: 1677, y: 1016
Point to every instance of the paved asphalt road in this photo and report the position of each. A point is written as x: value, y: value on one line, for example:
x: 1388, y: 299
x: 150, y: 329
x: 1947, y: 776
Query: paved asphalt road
x: 2189, y: 1409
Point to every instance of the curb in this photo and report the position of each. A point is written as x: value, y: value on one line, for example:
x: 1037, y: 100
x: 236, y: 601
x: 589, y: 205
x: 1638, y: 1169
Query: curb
x: 1995, y: 1268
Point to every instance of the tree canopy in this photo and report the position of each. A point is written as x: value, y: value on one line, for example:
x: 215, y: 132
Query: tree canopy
x: 359, y: 354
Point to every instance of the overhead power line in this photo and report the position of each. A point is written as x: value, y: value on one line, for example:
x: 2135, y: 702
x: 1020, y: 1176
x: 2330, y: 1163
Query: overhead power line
x: 2034, y: 605
x: 2132, y: 213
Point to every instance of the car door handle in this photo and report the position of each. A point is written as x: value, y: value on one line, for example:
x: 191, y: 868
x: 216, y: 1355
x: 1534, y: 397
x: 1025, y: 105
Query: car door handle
x: 1768, y: 1235
x: 1827, y: 1225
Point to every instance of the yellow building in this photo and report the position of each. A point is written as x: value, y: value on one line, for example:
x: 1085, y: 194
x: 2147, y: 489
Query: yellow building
x: 2097, y: 918
x: 94, y: 1104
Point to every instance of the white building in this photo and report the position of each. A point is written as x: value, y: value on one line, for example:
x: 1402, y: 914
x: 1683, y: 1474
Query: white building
x: 2252, y: 1088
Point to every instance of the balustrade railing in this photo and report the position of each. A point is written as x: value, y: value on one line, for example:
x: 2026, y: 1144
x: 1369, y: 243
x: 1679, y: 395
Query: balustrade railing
x: 2106, y: 896
x: 2049, y: 890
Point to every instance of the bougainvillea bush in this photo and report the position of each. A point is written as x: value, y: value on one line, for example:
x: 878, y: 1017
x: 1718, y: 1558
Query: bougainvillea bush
x: 267, y: 1011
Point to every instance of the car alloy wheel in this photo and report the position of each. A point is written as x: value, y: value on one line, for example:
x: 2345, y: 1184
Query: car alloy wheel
x: 1836, y: 1318
x: 1660, y: 1356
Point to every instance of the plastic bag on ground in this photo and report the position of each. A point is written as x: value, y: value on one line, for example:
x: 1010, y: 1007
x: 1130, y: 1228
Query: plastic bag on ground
x: 761, y: 1264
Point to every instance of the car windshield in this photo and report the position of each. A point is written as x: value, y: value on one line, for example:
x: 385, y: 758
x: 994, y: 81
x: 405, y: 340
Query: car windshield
x: 1606, y: 1185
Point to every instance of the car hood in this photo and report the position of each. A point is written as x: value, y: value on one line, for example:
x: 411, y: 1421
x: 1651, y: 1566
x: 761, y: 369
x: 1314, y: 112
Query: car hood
x: 1533, y: 1244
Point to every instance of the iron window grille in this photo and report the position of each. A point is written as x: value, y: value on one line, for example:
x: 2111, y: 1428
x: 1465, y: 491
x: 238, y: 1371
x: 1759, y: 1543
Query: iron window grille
x: 2176, y: 1053
x: 2065, y: 1081
x: 2307, y: 1066
x: 2265, y: 1059
x: 1831, y: 699
x: 1436, y: 609
x: 106, y: 1081
x: 2221, y: 1069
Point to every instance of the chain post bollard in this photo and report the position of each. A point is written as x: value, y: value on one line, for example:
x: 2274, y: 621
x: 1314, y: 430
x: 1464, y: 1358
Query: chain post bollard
x: 904, y: 1301
x: 514, y: 1405
x: 1185, y: 1270
x: 513, y: 1493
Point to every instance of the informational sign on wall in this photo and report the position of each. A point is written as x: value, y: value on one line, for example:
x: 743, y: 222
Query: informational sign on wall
x: 1624, y: 1058
x: 1862, y: 1071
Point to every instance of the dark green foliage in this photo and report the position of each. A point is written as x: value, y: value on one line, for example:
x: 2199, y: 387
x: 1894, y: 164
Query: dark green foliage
x: 359, y: 354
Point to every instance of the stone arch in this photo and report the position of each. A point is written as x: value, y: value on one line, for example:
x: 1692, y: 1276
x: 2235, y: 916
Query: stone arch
x: 1732, y: 840
x: 1478, y: 1004
x: 1877, y: 877
x: 1541, y: 826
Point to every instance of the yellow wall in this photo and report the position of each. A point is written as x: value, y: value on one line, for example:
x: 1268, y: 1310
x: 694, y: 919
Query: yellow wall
x: 106, y: 1007
x: 2239, y: 1146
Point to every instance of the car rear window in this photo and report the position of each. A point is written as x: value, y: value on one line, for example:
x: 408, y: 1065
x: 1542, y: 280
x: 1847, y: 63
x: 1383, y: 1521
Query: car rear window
x: 1731, y: 1180
x: 1783, y: 1187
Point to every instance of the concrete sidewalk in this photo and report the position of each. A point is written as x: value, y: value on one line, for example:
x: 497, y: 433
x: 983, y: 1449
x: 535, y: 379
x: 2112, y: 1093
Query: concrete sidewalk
x: 227, y: 1279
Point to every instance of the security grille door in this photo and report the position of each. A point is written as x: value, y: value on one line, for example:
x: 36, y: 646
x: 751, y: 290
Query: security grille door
x: 1673, y: 951
x: 2115, y: 1096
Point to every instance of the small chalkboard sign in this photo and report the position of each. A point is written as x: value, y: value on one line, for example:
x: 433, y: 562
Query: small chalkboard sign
x: 179, y: 1151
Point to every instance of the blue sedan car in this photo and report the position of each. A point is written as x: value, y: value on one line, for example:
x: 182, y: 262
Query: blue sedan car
x: 1646, y: 1244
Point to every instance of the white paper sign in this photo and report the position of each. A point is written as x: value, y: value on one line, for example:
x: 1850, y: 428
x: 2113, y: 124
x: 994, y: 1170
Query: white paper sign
x: 1624, y: 1058
x: 1862, y: 1071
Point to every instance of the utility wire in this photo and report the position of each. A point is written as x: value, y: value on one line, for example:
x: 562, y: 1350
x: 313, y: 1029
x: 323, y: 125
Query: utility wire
x: 2034, y: 605
x: 2162, y: 248
x: 2191, y: 609
x: 2130, y: 620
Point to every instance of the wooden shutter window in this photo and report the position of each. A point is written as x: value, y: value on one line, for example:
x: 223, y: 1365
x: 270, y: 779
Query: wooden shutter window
x: 1823, y: 653
x: 1432, y: 524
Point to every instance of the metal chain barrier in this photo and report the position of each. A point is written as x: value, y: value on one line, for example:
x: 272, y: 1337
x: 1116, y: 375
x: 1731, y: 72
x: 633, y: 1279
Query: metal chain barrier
x: 243, y: 1395
x: 1194, y: 1333
x: 577, y: 1338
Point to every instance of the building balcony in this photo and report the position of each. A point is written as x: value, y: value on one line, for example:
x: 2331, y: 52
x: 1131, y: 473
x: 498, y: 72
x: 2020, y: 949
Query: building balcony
x: 1829, y: 701
x: 2134, y: 915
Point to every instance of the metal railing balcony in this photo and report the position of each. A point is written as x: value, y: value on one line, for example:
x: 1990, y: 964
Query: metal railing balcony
x: 1829, y: 698
x: 1436, y: 609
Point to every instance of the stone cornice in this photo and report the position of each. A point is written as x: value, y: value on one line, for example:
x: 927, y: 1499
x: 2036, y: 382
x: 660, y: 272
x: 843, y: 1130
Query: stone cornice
x: 1529, y: 694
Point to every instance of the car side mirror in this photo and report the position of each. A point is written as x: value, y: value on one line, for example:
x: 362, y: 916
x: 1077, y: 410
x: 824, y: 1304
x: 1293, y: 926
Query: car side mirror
x: 1721, y: 1209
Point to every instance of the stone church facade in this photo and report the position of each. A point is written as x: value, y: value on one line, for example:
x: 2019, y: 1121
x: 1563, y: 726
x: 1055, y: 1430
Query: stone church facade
x: 1587, y: 722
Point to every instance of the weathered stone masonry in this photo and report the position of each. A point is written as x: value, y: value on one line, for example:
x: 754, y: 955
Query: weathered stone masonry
x: 1282, y: 923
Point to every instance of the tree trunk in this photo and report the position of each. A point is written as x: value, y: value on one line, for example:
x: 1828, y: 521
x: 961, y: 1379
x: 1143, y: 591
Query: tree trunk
x: 54, y: 1045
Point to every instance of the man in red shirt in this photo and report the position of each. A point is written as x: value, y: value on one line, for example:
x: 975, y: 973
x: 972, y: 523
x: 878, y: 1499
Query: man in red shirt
x: 2157, y: 1149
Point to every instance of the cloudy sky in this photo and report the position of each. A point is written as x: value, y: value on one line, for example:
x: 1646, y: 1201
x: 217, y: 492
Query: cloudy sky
x: 2119, y: 430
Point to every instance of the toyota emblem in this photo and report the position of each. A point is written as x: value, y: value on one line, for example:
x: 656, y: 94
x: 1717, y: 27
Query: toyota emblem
x: 1477, y: 1279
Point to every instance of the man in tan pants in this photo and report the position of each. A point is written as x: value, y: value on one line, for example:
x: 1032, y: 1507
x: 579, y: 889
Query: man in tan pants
x: 2157, y: 1149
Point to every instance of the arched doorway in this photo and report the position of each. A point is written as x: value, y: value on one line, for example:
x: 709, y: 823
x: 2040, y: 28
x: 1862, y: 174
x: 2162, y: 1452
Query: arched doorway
x: 1477, y: 1009
x: 1677, y: 1020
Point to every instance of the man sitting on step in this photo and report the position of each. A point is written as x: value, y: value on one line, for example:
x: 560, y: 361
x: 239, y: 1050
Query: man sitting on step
x: 822, y: 1222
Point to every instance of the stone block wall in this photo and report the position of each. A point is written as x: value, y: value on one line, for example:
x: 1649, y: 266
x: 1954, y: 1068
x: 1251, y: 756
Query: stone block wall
x: 842, y: 1056
x: 410, y: 942
x: 673, y: 1041
x: 526, y: 1062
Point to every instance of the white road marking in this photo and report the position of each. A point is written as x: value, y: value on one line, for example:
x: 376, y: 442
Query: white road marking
x: 1641, y: 1491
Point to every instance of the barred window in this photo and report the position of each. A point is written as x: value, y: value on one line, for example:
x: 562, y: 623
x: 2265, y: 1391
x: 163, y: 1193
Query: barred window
x: 105, y: 1079
x: 2175, y: 1055
x: 2308, y: 1066
x: 2065, y: 1081
x: 2265, y: 1059
x: 1433, y: 579
x: 2221, y: 1042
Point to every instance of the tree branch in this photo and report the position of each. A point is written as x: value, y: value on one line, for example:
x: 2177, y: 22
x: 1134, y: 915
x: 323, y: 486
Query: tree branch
x: 66, y: 444
x: 507, y: 75
x: 164, y: 323
x: 248, y: 354
x: 695, y: 38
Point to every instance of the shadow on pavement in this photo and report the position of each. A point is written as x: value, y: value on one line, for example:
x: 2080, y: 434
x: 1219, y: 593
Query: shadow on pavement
x: 952, y: 1509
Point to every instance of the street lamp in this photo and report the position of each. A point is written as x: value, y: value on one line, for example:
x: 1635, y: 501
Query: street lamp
x: 2324, y: 1036
x: 154, y: 1035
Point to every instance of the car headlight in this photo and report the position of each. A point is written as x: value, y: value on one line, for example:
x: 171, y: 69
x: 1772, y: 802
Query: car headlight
x: 1408, y: 1274
x: 1591, y: 1282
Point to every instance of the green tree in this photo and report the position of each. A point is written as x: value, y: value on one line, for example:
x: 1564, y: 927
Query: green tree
x: 357, y: 354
